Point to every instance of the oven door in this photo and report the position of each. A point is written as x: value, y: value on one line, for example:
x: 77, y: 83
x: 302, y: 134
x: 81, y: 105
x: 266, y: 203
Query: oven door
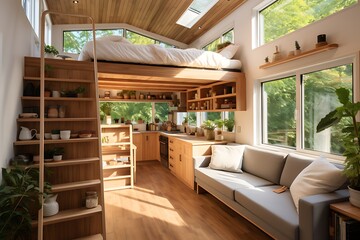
x: 164, y: 154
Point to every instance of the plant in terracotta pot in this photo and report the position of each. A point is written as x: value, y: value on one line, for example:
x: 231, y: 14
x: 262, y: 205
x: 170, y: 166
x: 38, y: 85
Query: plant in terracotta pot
x: 229, y: 124
x: 20, y: 201
x: 209, y: 127
x: 350, y: 139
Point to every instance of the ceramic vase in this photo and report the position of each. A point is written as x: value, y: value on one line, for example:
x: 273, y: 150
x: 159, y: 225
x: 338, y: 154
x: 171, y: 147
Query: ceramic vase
x: 209, y: 134
x: 354, y: 197
x: 51, y: 206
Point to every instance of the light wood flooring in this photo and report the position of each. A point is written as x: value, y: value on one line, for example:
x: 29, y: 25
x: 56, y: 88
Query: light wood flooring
x: 162, y: 207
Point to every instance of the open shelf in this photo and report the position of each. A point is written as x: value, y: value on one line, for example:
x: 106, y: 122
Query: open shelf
x: 117, y: 177
x: 302, y: 55
x: 135, y: 100
x: 49, y: 79
x: 74, y: 185
x: 70, y: 214
x: 71, y: 140
x: 116, y: 166
x: 57, y: 119
x: 75, y: 99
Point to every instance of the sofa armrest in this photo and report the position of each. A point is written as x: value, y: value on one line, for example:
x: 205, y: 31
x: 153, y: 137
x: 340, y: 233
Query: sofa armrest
x: 201, y: 161
x: 314, y: 214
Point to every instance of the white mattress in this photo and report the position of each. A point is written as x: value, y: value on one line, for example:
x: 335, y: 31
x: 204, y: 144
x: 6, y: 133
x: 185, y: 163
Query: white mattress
x: 120, y: 50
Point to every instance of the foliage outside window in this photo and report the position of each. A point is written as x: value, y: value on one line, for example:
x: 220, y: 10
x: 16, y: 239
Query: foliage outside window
x: 74, y: 41
x: 317, y: 99
x: 226, y: 37
x: 285, y: 16
x: 278, y: 99
x: 162, y: 111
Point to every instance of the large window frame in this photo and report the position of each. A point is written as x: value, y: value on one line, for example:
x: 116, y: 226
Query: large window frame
x: 211, y: 46
x: 299, y: 113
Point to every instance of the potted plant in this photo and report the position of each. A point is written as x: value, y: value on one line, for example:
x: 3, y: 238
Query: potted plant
x: 55, y: 134
x: 106, y: 110
x: 218, y: 131
x: 229, y: 124
x: 80, y: 91
x: 20, y: 201
x: 297, y: 48
x: 58, y: 153
x: 48, y: 155
x: 350, y: 139
x: 50, y: 51
x: 209, y: 127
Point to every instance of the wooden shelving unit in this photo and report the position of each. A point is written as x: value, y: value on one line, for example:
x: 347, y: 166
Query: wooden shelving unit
x: 218, y: 97
x: 80, y: 170
x: 118, y: 156
x: 135, y: 100
x: 302, y: 55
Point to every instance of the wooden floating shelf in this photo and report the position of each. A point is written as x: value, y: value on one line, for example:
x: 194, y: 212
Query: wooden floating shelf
x: 117, y: 177
x: 58, y: 119
x: 116, y: 166
x: 70, y: 214
x: 74, y: 185
x: 134, y: 100
x: 71, y: 162
x: 84, y: 99
x: 302, y: 55
x: 72, y: 140
x: 59, y: 79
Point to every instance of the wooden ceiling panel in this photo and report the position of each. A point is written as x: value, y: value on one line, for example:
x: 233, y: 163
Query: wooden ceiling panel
x: 156, y: 16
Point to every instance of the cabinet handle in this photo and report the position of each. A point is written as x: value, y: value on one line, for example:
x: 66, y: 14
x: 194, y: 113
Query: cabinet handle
x: 180, y: 157
x: 171, y: 165
x: 171, y: 141
x: 171, y: 157
x: 171, y: 150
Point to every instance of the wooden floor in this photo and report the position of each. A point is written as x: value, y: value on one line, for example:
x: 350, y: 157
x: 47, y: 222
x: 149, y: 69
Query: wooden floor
x: 161, y: 207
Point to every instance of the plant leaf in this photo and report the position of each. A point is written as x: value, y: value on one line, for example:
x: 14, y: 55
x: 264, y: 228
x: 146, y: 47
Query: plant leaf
x: 329, y: 120
x: 343, y: 95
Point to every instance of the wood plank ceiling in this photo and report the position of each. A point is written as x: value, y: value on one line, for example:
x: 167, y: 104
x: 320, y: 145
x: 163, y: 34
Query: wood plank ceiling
x: 156, y: 16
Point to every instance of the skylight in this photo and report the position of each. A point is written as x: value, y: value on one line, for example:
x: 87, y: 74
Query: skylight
x: 195, y: 11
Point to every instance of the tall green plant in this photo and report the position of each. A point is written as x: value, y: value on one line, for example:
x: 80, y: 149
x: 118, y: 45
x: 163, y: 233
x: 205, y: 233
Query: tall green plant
x: 20, y: 198
x: 350, y: 134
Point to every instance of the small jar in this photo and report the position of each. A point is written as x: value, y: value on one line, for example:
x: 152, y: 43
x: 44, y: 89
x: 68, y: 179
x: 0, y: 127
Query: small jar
x: 53, y: 112
x: 91, y: 199
x: 61, y: 111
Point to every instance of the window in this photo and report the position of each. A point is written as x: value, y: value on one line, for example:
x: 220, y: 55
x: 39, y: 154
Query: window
x: 284, y: 16
x: 319, y: 99
x: 313, y: 91
x: 226, y: 37
x: 162, y: 111
x: 74, y: 41
x: 278, y: 109
x: 32, y: 10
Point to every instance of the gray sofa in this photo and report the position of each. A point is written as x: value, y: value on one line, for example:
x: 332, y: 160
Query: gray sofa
x: 251, y: 194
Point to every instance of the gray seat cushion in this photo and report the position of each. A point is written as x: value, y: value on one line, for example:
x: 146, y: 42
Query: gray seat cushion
x: 264, y: 164
x: 293, y: 166
x: 276, y: 209
x: 227, y: 182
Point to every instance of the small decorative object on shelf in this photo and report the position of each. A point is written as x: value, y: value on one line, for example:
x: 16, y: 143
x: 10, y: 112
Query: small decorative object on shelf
x: 51, y: 206
x: 321, y: 40
x: 107, y: 94
x: 276, y: 55
x: 297, y: 48
x: 91, y: 199
x: 266, y: 59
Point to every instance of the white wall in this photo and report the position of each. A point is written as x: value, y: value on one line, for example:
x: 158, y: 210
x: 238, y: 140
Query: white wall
x: 342, y: 28
x: 17, y: 39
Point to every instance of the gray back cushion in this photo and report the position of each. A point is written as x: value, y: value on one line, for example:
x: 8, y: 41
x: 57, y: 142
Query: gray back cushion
x: 264, y: 164
x: 293, y: 166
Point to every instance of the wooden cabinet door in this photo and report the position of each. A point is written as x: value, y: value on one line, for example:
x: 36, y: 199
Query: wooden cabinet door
x: 174, y: 153
x: 138, y: 142
x: 150, y: 146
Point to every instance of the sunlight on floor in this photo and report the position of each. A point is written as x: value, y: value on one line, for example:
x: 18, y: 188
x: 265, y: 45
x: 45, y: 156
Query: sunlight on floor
x: 145, y: 202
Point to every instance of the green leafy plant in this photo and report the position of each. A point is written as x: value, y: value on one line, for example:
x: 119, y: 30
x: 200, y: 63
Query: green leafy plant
x: 80, y: 89
x: 20, y: 200
x: 55, y: 131
x: 350, y: 134
x: 51, y: 49
x: 208, y: 125
x: 229, y: 124
x: 186, y: 120
x: 106, y: 108
x: 58, y: 151
x: 219, y: 123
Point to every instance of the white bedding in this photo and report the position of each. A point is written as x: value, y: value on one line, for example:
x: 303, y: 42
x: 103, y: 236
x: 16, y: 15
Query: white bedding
x: 118, y: 49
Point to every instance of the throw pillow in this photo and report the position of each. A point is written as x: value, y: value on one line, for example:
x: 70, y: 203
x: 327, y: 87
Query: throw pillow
x: 229, y: 51
x: 227, y: 158
x: 319, y: 177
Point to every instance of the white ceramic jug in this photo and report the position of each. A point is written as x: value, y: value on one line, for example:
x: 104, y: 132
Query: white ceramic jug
x: 51, y: 206
x: 27, y: 134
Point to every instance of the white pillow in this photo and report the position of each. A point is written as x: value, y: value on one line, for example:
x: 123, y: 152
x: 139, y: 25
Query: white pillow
x: 227, y: 158
x: 229, y: 51
x: 319, y: 177
x: 113, y: 38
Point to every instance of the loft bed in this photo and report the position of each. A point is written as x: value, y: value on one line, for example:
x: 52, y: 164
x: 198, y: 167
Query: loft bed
x: 140, y: 75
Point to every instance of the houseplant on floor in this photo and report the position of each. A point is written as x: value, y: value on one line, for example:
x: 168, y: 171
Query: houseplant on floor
x: 350, y: 138
x: 20, y: 201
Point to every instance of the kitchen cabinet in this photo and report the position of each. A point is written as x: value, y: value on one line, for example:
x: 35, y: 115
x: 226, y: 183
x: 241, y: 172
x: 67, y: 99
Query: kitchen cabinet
x: 138, y: 142
x: 150, y: 146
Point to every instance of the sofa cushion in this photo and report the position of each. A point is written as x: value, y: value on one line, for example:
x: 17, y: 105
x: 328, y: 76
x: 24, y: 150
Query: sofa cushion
x: 264, y: 164
x: 293, y: 166
x: 227, y: 182
x: 277, y: 210
x: 319, y: 177
x: 227, y: 158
